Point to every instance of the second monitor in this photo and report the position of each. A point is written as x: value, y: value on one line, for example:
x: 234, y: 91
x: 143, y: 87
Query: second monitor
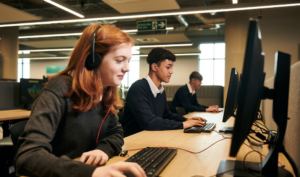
x: 231, y: 100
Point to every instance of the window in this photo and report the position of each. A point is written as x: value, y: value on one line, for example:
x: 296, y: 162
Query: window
x: 134, y: 73
x: 23, y: 68
x: 212, y: 63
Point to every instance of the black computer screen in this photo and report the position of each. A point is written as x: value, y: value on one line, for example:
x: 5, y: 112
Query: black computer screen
x: 251, y: 88
x: 231, y: 95
x: 251, y: 92
x: 29, y: 89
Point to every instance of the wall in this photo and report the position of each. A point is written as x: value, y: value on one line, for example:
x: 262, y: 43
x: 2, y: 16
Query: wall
x: 38, y: 67
x: 184, y: 65
x: 280, y: 31
x: 299, y: 52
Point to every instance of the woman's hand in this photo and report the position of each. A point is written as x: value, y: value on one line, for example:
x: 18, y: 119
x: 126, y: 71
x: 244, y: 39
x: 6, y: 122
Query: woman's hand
x: 117, y: 169
x: 94, y: 157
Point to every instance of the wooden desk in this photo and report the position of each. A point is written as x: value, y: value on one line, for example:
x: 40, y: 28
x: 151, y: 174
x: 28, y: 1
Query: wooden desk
x: 187, y: 164
x: 9, y: 115
x: 14, y: 114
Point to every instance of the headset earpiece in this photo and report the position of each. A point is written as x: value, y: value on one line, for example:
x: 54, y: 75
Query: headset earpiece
x: 94, y: 59
x: 91, y: 63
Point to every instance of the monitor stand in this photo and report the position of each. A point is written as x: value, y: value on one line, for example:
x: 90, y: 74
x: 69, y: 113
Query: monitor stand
x: 27, y: 106
x: 226, y: 130
x: 236, y: 168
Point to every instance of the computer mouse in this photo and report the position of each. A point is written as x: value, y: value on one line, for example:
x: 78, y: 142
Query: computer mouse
x: 191, y: 130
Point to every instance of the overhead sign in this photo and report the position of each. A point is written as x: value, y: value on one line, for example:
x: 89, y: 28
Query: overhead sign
x: 152, y: 25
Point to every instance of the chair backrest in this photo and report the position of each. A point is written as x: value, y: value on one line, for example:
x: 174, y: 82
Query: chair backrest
x: 15, y: 132
x: 180, y: 111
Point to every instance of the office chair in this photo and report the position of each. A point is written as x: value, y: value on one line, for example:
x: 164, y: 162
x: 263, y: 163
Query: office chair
x: 180, y: 111
x: 15, y: 132
x: 6, y: 157
x: 9, y: 148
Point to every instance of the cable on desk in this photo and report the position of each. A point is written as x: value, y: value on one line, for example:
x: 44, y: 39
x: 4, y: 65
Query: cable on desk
x: 263, y: 130
x: 260, y: 153
x: 222, y: 134
x: 181, y: 148
x: 249, y: 169
x: 263, y: 125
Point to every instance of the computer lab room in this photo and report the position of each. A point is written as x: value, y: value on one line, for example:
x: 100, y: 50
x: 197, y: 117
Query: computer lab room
x: 148, y: 88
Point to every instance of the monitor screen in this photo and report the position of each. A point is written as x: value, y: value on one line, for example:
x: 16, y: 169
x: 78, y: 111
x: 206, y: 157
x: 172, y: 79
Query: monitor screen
x: 231, y: 95
x: 251, y: 88
x: 29, y: 89
x: 250, y: 93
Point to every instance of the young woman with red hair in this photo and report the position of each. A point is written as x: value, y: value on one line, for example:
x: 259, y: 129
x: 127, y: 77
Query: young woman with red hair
x: 67, y: 115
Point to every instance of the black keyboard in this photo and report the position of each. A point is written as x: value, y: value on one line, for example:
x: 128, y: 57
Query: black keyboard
x: 153, y: 160
x: 207, y: 128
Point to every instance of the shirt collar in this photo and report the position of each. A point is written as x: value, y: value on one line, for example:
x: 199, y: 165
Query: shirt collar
x: 190, y: 89
x: 153, y: 87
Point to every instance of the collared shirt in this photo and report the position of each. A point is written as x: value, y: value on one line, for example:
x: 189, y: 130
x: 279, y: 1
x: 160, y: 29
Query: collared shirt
x: 153, y: 87
x: 190, y: 89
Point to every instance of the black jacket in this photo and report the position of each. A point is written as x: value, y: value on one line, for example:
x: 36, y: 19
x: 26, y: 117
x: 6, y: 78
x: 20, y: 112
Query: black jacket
x: 143, y: 111
x: 55, y: 134
x: 183, y: 98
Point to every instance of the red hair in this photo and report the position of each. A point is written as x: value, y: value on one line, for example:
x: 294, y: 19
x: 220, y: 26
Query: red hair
x: 87, y: 84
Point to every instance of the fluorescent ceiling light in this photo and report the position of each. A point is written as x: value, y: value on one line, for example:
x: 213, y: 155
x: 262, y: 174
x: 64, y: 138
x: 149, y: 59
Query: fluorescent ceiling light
x: 225, y: 8
x: 163, y: 45
x: 234, y: 1
x: 134, y: 47
x: 50, y: 35
x: 48, y: 58
x: 47, y: 50
x: 65, y: 7
x: 23, y: 52
x: 73, y: 34
x: 54, y: 58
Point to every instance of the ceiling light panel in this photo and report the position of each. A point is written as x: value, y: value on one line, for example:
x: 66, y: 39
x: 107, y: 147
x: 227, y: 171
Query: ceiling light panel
x: 72, y: 34
x: 66, y: 7
x: 225, y: 8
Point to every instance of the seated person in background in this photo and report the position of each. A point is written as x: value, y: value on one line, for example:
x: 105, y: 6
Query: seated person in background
x: 146, y: 104
x: 186, y: 96
x: 67, y: 115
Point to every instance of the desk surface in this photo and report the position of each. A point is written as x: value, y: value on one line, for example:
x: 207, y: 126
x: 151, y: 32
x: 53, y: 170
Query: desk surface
x: 188, y: 164
x: 14, y: 114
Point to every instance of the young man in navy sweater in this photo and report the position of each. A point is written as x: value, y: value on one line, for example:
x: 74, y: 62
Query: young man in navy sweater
x: 146, y: 104
x: 186, y: 97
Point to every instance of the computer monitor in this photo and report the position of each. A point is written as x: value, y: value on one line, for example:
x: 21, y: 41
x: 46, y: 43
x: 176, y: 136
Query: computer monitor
x: 251, y: 92
x: 29, y: 89
x: 231, y: 100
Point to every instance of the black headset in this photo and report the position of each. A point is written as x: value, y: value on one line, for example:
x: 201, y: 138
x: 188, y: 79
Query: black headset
x: 94, y: 59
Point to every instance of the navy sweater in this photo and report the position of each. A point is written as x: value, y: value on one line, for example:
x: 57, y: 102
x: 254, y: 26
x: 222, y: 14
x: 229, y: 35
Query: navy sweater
x: 143, y: 111
x: 183, y: 98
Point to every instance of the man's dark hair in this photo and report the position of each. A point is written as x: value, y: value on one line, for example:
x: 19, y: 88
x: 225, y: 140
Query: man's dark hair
x: 158, y: 55
x: 196, y: 75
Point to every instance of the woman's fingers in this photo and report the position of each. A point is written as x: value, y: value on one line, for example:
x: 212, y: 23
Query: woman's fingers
x: 90, y: 159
